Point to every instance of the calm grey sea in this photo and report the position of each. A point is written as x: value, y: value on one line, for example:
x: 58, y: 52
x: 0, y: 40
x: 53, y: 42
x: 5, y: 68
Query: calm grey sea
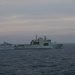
x: 38, y: 62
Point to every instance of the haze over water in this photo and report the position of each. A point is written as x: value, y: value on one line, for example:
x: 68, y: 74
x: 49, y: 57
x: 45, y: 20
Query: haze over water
x: 21, y: 20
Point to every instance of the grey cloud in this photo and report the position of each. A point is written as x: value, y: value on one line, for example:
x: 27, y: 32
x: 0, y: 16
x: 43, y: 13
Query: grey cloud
x: 37, y: 7
x: 55, y: 18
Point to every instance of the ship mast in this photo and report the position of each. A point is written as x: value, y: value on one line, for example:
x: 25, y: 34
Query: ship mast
x: 36, y: 36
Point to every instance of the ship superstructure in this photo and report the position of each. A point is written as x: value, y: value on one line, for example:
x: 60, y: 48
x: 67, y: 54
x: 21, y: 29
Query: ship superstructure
x: 39, y: 43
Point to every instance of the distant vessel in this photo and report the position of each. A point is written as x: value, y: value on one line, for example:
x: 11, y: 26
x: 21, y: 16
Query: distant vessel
x: 6, y: 46
x: 39, y: 43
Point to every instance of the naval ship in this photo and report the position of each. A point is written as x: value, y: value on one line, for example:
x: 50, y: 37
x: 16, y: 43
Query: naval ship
x: 39, y: 43
x: 6, y: 46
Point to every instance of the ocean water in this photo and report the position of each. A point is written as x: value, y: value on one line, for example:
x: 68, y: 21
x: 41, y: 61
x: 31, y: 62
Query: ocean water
x: 38, y: 62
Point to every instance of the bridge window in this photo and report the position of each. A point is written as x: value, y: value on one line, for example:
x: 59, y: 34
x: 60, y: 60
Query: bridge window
x: 45, y: 44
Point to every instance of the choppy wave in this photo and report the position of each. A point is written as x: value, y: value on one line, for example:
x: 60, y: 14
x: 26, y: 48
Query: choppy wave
x: 38, y: 62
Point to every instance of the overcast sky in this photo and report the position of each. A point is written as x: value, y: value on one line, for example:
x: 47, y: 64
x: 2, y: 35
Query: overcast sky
x: 21, y: 20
